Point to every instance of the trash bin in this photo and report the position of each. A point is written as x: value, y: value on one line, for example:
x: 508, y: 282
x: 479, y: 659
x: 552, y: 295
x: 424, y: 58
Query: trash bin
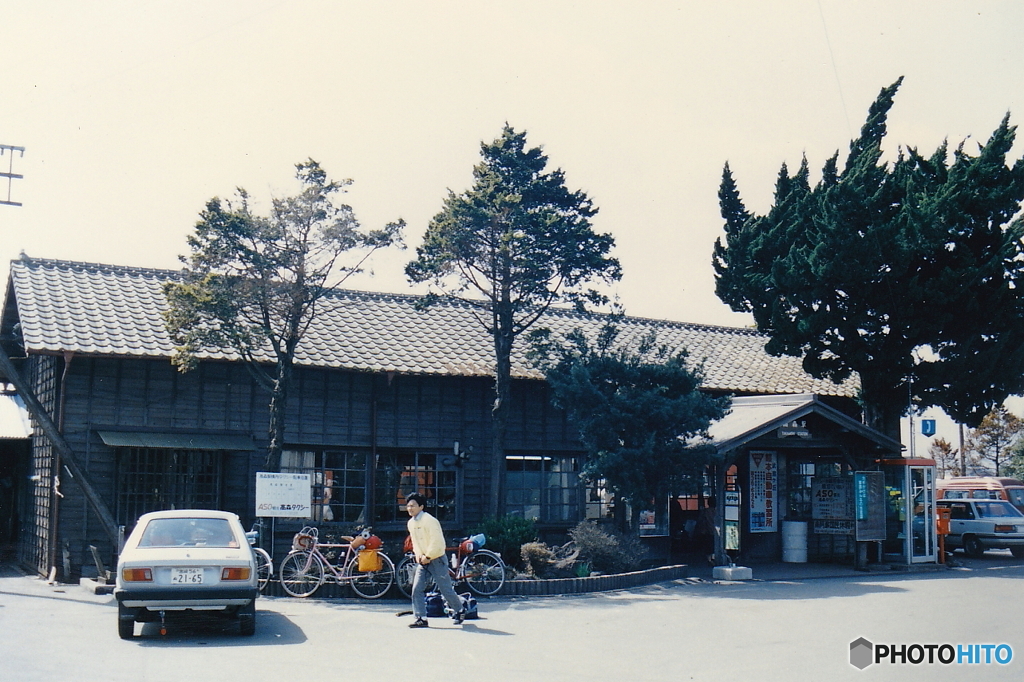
x: 794, y: 542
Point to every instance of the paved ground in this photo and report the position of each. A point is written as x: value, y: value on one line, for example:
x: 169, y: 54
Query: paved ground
x: 793, y: 622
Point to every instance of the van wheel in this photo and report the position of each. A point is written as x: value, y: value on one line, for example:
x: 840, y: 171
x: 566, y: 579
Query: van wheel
x: 973, y: 547
x: 1017, y: 552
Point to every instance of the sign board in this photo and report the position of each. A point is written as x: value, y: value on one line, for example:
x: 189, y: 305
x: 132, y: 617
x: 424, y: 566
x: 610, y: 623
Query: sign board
x: 832, y: 505
x: 654, y: 522
x: 283, y: 495
x: 732, y: 535
x: 928, y: 427
x: 869, y: 505
x: 797, y: 427
x: 764, y: 489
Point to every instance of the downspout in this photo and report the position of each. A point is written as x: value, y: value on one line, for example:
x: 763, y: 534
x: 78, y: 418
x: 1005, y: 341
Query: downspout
x: 57, y: 463
x: 371, y: 478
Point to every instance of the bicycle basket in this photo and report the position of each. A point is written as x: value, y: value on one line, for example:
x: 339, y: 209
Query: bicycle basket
x: 467, y: 547
x: 304, y: 539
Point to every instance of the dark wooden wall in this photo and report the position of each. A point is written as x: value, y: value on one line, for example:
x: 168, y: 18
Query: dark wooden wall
x: 327, y: 408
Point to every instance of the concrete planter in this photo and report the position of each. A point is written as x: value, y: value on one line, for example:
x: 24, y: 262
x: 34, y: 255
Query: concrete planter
x: 599, y: 583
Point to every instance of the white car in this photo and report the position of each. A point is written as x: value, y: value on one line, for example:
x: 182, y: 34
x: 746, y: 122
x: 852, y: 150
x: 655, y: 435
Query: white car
x: 977, y: 525
x: 186, y: 560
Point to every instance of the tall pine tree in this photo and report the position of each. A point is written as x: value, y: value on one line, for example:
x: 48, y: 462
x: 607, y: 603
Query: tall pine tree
x: 514, y: 244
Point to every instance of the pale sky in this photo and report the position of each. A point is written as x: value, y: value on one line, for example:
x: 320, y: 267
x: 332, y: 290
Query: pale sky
x: 134, y: 113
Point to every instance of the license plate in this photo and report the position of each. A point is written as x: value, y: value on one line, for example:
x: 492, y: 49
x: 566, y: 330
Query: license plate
x: 186, y: 576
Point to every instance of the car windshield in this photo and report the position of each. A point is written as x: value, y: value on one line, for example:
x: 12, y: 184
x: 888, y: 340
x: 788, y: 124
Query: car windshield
x: 188, y: 532
x: 1016, y: 496
x: 996, y: 508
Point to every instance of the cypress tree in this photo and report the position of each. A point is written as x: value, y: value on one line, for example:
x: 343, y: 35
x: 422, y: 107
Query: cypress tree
x: 909, y: 273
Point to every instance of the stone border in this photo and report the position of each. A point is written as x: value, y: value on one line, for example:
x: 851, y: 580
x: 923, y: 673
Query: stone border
x: 597, y: 583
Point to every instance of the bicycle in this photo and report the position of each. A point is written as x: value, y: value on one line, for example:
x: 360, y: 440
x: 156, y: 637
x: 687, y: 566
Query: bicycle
x: 307, y: 567
x: 482, y: 570
x: 264, y: 564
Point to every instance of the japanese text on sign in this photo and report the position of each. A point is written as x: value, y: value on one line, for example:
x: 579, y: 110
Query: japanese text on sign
x: 283, y: 495
x: 763, y: 490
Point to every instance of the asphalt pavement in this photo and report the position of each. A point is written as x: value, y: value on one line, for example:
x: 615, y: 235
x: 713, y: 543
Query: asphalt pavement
x: 791, y: 622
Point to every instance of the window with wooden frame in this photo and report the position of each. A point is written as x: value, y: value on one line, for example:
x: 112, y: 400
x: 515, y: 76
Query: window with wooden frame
x: 402, y: 472
x: 543, y: 487
x: 154, y: 479
x: 338, y: 480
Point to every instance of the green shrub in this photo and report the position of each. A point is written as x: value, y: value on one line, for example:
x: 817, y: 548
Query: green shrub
x: 506, y: 535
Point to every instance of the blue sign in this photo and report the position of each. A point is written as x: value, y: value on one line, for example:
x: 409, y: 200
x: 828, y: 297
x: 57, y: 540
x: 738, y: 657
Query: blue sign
x: 928, y: 427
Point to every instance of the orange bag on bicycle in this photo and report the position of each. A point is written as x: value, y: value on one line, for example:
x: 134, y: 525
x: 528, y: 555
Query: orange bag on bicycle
x: 368, y: 560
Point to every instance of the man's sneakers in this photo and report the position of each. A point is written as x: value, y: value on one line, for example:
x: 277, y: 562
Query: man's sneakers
x: 457, y: 618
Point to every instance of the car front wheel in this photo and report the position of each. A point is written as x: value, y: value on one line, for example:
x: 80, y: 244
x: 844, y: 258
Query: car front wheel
x: 973, y: 547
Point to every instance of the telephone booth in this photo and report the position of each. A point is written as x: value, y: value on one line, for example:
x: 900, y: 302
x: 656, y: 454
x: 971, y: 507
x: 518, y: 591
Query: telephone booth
x: 911, y: 536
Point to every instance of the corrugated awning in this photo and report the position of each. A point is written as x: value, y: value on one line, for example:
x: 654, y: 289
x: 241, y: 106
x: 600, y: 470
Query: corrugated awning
x: 176, y: 441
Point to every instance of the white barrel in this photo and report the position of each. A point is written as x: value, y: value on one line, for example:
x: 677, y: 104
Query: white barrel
x: 794, y: 542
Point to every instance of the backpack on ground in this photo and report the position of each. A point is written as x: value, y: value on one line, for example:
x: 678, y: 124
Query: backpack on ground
x: 436, y: 608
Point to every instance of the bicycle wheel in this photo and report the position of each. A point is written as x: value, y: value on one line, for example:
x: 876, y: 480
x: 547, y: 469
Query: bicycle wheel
x: 264, y: 566
x: 371, y: 584
x: 484, y: 572
x: 404, y: 574
x: 301, y: 573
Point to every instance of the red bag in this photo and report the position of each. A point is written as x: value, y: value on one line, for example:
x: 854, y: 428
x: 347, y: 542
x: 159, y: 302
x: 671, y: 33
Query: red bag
x: 407, y: 545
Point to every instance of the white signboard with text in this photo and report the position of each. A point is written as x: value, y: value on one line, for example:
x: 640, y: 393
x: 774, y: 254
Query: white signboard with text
x: 832, y: 505
x: 283, y: 495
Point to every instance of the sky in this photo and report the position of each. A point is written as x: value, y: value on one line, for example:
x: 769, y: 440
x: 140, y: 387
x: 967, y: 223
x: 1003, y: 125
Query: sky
x: 133, y: 114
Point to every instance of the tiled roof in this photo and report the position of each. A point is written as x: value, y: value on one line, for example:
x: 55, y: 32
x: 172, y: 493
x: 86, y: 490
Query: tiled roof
x: 113, y: 310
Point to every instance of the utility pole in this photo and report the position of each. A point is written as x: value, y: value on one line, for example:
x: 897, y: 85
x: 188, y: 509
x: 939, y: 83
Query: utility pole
x: 10, y: 174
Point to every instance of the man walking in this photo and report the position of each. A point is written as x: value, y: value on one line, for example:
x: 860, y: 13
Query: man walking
x: 431, y: 562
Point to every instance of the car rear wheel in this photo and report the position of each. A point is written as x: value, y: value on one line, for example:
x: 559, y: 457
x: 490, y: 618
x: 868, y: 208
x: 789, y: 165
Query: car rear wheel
x: 247, y: 619
x: 125, y: 622
x: 1017, y: 552
x: 973, y: 547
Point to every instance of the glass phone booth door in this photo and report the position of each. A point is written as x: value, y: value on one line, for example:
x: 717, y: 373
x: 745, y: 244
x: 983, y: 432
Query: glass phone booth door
x: 922, y: 513
x: 910, y: 511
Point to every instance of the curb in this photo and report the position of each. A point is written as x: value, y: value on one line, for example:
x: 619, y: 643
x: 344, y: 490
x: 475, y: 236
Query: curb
x: 553, y: 586
x: 95, y: 586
